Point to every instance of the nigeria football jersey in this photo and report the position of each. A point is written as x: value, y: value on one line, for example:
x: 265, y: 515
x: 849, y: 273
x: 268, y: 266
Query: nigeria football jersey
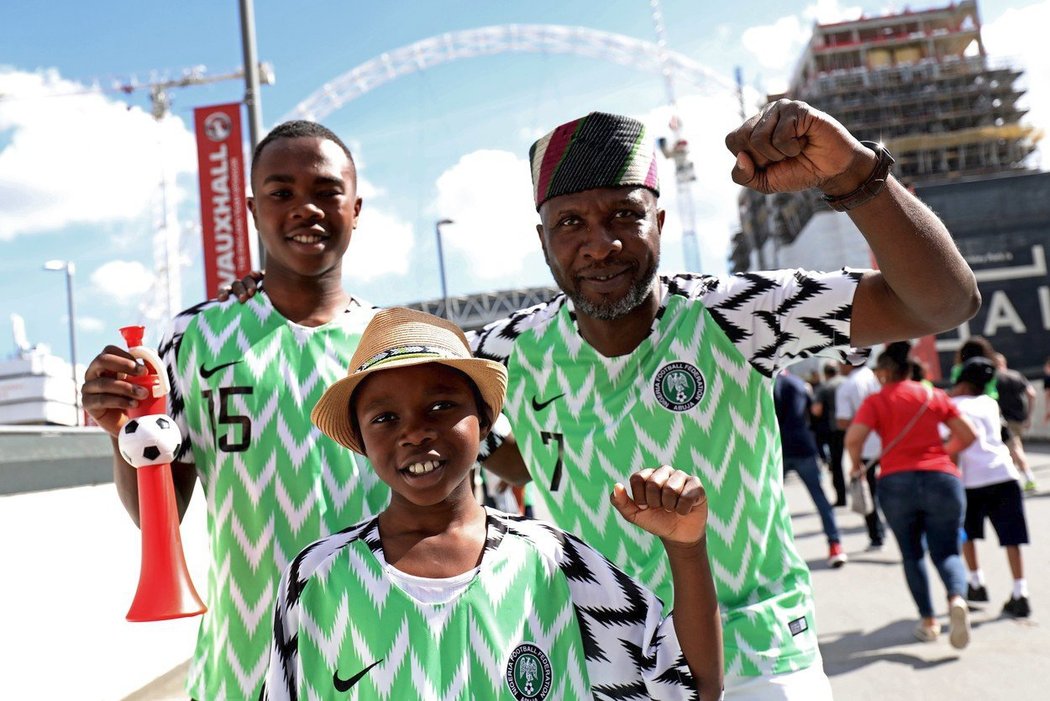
x: 545, y: 617
x: 696, y: 394
x: 244, y: 379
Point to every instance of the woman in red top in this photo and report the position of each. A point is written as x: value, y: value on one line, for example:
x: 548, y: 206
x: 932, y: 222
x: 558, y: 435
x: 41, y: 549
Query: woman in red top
x: 920, y: 488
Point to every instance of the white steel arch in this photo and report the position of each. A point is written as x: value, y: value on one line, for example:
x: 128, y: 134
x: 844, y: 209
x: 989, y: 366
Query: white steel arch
x: 507, y: 38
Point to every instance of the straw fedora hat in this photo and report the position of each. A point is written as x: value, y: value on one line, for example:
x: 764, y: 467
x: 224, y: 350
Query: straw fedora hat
x: 397, y: 338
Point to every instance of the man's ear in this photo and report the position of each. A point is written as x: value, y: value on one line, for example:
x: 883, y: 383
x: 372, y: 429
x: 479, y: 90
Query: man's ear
x: 250, y: 201
x: 357, y: 210
x: 660, y: 214
x: 543, y: 242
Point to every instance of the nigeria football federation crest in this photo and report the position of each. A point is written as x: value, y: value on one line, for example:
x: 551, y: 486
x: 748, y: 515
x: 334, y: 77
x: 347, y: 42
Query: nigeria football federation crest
x: 679, y: 386
x: 529, y: 673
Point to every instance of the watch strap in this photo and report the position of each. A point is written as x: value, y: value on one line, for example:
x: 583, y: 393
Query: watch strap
x: 871, y: 187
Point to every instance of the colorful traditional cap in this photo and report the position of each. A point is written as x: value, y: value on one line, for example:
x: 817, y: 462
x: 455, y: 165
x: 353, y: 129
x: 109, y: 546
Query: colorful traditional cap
x: 396, y: 338
x: 599, y: 150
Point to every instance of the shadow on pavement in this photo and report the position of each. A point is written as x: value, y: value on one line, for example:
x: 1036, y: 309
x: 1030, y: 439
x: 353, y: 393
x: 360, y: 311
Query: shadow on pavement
x: 853, y: 651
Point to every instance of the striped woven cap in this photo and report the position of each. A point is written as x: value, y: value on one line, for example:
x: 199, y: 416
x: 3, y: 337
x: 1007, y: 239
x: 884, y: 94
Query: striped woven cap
x: 599, y: 150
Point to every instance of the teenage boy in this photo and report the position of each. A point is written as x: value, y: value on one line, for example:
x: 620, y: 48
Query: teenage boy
x: 243, y: 378
x: 439, y: 597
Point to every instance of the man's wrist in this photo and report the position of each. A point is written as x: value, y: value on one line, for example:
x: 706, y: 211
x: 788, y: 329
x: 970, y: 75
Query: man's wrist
x: 860, y: 183
x: 694, y: 549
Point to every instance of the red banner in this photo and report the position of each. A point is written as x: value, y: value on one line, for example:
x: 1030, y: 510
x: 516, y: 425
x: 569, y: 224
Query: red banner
x: 224, y: 225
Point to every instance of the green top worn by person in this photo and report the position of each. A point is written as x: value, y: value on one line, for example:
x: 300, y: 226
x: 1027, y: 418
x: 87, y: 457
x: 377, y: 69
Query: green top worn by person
x: 244, y: 378
x: 627, y: 368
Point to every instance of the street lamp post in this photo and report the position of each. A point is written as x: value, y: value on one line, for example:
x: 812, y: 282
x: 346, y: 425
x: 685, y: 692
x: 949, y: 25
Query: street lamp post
x: 70, y: 269
x: 441, y: 265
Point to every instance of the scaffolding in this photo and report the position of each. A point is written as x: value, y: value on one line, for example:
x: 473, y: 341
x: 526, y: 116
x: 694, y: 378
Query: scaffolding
x: 919, y: 82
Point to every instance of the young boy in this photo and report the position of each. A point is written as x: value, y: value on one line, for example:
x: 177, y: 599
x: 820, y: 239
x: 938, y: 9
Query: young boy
x: 992, y: 485
x: 441, y: 598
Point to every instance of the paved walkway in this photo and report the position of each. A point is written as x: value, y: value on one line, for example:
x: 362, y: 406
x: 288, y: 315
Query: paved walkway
x: 71, y: 562
x: 865, y: 614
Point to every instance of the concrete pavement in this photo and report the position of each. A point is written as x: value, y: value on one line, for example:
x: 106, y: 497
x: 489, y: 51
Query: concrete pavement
x: 865, y: 614
x: 70, y: 559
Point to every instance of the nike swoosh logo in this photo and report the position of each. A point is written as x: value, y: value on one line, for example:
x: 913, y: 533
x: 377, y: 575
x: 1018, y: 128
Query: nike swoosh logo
x: 208, y: 372
x: 540, y: 406
x: 347, y: 684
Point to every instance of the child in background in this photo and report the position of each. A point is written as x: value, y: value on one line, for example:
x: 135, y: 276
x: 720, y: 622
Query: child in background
x: 439, y: 597
x: 992, y: 488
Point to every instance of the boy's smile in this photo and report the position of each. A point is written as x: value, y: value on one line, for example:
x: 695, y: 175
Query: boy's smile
x: 420, y: 428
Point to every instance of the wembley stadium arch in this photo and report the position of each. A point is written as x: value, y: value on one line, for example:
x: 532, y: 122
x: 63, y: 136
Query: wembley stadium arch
x: 476, y: 310
x: 507, y: 38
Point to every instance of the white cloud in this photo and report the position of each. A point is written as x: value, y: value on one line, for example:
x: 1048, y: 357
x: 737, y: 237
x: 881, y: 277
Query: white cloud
x: 381, y: 244
x: 705, y: 122
x: 90, y: 323
x: 367, y: 190
x: 1018, y: 35
x: 778, y: 45
x: 126, y: 282
x: 487, y: 194
x: 831, y: 11
x: 79, y: 157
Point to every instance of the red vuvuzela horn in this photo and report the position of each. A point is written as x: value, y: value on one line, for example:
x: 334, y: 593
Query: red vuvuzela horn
x: 149, y: 441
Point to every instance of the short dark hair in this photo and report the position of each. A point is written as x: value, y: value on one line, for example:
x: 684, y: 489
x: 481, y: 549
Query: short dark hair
x: 895, y: 360
x: 296, y: 129
x: 976, y: 347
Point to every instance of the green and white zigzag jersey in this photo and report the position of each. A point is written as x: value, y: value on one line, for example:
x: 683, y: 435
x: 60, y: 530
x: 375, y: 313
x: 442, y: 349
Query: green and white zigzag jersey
x: 545, y: 617
x: 244, y: 379
x: 696, y: 394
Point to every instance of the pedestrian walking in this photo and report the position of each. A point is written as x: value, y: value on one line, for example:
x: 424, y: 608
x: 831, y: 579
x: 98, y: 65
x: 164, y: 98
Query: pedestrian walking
x: 920, y: 488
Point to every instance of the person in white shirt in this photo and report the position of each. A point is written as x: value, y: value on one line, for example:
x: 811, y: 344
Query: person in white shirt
x: 992, y: 486
x: 858, y: 383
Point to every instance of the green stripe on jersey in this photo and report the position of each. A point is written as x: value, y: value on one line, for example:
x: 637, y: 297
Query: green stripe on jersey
x: 686, y: 397
x: 247, y: 379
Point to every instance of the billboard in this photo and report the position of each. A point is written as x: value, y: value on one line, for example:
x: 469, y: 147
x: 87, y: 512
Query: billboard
x: 224, y: 226
x: 1002, y: 228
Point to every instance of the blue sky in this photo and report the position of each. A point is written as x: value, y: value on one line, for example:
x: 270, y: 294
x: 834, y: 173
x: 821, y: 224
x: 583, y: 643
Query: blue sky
x: 80, y: 173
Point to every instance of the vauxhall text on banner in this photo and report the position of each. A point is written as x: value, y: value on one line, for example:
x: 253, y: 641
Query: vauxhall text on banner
x: 224, y: 228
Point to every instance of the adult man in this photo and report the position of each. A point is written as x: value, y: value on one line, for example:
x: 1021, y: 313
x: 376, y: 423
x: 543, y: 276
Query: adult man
x: 792, y: 401
x: 1016, y: 396
x: 244, y: 378
x: 827, y: 428
x: 857, y: 385
x: 626, y: 370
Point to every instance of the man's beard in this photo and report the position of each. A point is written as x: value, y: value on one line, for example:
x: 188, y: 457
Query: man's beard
x: 616, y: 309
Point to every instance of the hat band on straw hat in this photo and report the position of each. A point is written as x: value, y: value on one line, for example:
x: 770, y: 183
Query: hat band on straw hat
x: 405, y: 352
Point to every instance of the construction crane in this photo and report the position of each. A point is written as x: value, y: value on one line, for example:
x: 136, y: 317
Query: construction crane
x: 166, y: 298
x: 677, y: 149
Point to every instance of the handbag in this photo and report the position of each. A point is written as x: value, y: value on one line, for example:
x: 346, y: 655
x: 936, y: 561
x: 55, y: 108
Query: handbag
x: 860, y: 496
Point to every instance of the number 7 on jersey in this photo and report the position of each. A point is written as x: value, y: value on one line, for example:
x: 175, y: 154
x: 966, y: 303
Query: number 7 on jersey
x: 547, y: 437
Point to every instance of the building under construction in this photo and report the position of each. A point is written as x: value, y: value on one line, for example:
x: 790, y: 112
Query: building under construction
x: 919, y: 82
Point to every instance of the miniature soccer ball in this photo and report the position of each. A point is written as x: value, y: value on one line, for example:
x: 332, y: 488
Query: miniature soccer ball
x: 153, y: 439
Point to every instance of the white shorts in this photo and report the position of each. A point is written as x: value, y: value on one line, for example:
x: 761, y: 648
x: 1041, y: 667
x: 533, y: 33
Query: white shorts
x: 810, y: 684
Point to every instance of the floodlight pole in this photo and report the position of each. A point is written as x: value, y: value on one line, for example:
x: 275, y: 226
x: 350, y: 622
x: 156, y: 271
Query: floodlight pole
x: 251, y: 91
x: 441, y: 265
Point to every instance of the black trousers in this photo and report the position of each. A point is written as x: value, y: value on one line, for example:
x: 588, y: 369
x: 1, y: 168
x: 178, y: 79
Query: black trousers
x: 838, y: 481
